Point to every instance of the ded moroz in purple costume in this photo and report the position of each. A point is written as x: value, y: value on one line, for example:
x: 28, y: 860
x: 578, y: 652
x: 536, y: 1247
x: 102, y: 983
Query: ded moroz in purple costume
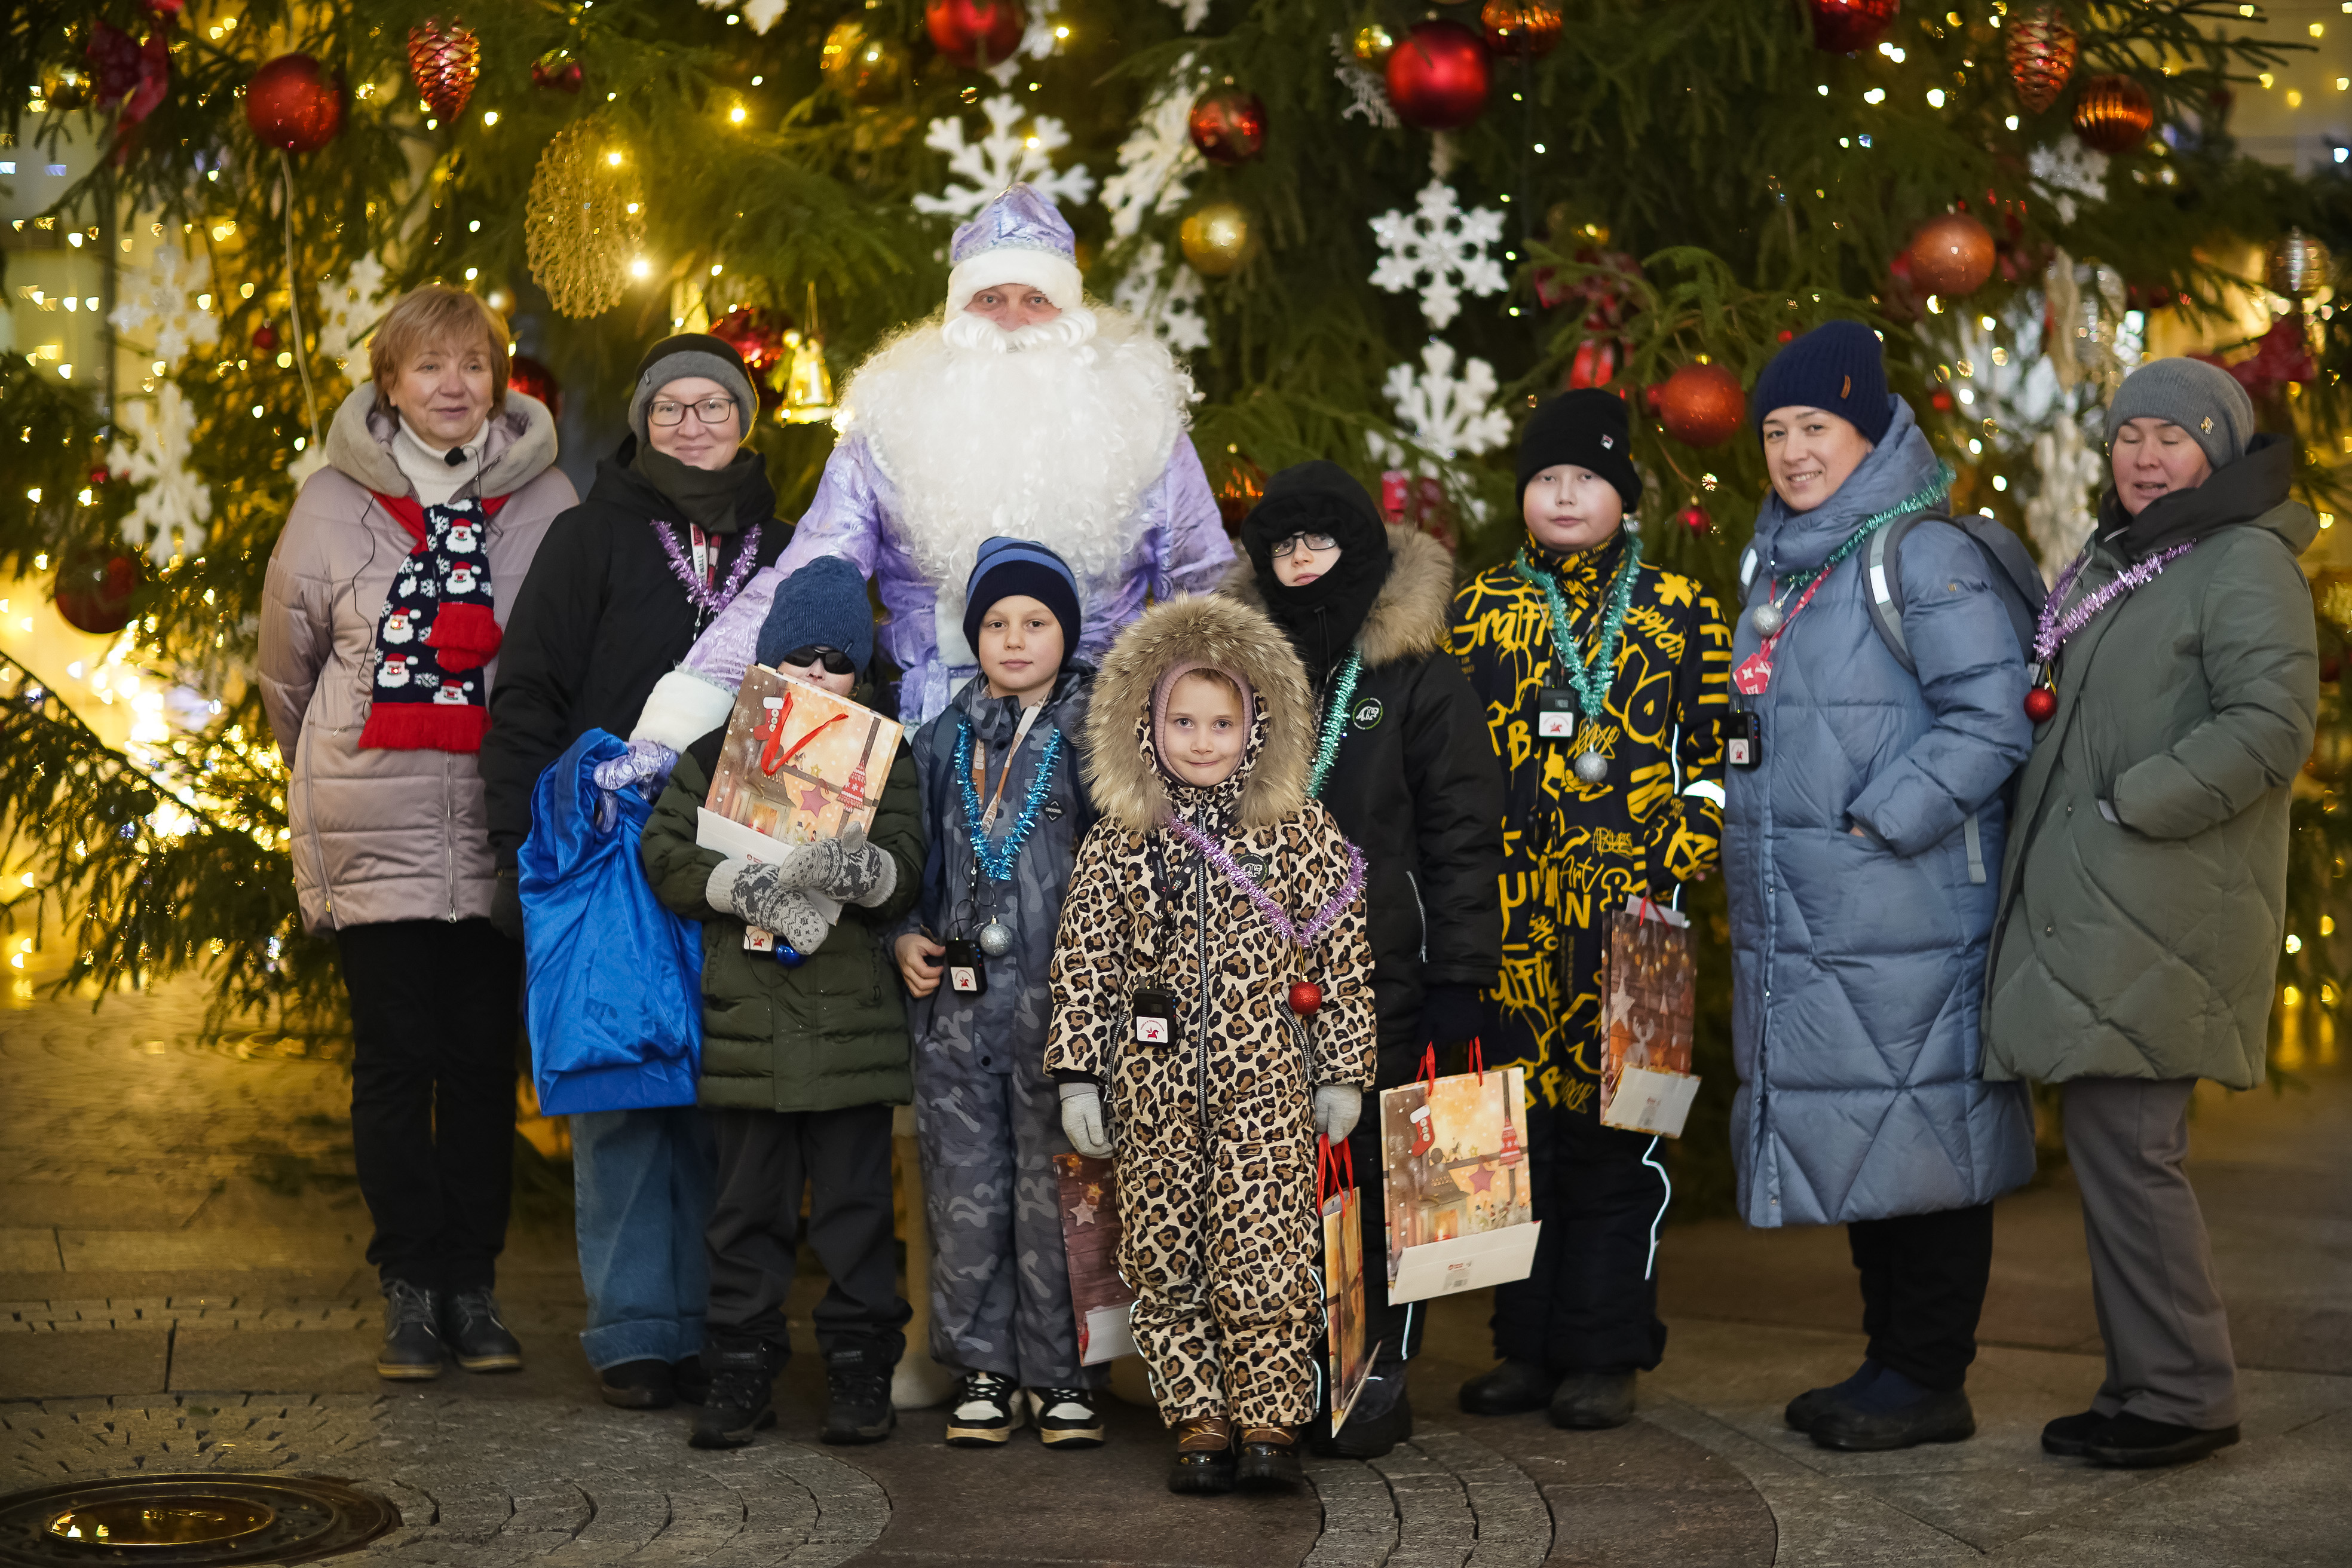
x: 1068, y: 432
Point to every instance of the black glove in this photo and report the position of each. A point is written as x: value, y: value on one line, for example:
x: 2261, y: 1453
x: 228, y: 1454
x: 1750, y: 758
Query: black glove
x: 1451, y: 1015
x: 506, y: 906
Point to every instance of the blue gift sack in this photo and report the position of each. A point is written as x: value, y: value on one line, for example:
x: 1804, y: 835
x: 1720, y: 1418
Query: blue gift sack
x: 616, y: 979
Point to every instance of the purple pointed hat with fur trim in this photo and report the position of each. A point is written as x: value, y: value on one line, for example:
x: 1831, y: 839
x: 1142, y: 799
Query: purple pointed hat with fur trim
x: 1019, y: 238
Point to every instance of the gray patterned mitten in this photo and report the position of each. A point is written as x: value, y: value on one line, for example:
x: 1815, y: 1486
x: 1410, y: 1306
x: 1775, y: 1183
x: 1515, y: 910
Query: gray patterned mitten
x: 754, y: 893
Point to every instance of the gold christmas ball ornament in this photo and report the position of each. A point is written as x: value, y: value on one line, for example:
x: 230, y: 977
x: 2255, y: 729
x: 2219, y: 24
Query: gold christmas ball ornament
x: 2114, y: 114
x: 2299, y: 265
x: 585, y: 220
x: 1371, y: 45
x: 67, y: 84
x: 1568, y: 230
x: 1215, y: 238
x: 861, y: 67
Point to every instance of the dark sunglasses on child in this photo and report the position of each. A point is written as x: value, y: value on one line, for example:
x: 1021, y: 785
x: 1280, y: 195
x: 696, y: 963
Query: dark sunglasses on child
x: 835, y: 661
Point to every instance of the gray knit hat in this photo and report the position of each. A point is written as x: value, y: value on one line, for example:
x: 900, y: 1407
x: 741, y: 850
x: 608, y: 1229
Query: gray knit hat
x: 2203, y: 399
x: 692, y: 354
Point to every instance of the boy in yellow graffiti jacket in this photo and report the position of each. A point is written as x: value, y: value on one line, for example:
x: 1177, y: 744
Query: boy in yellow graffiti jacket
x: 1605, y: 678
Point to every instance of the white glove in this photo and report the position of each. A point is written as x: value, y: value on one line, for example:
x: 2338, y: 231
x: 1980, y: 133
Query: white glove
x: 1336, y: 1107
x: 1082, y: 1119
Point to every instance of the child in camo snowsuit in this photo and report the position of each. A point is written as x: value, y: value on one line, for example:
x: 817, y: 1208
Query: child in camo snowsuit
x: 986, y: 1116
x: 1215, y: 1093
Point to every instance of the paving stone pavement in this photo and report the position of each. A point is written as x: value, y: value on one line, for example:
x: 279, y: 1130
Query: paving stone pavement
x: 179, y: 1233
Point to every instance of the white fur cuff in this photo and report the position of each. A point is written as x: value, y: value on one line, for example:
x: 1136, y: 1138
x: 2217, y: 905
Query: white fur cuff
x: 1056, y: 277
x: 682, y: 709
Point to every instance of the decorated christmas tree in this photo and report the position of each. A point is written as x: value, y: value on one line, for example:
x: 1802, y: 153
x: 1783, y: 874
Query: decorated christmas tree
x: 1374, y: 232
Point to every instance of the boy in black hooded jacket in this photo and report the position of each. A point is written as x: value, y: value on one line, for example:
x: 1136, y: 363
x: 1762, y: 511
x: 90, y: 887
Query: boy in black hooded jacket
x: 1403, y: 765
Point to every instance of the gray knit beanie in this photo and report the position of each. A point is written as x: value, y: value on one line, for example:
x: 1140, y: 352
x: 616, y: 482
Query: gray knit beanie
x: 2203, y: 399
x: 692, y: 354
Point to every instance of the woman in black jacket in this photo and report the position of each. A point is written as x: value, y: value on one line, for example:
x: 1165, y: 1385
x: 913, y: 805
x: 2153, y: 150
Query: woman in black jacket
x: 1403, y: 764
x: 678, y: 521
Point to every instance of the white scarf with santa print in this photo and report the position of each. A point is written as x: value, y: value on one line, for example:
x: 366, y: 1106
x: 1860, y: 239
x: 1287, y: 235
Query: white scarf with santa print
x: 439, y: 627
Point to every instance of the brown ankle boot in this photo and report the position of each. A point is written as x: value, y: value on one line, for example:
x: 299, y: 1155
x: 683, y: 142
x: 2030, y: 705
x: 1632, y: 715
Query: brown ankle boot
x: 1269, y: 1459
x: 1205, y: 1456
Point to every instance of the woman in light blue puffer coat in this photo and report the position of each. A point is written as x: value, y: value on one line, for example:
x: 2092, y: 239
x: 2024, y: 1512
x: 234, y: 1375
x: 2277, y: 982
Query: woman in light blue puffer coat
x: 1863, y: 851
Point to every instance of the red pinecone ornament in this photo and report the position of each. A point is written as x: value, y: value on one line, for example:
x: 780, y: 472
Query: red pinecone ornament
x: 1306, y: 998
x: 2041, y: 59
x: 443, y: 58
x: 2040, y: 703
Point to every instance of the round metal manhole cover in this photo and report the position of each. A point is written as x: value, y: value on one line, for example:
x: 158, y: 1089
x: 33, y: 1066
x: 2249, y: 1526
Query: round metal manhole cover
x: 167, y: 1520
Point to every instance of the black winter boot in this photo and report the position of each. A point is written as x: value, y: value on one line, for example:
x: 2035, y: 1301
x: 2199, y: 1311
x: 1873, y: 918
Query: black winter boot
x: 1511, y: 1389
x: 412, y: 1332
x: 1205, y: 1457
x: 1268, y: 1460
x: 479, y: 1337
x: 690, y: 1378
x: 1382, y: 1419
x: 742, y: 1380
x: 857, y: 1408
x: 1593, y: 1401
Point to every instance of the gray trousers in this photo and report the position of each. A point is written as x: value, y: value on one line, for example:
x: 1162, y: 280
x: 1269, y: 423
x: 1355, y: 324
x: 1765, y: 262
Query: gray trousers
x: 2168, y: 1356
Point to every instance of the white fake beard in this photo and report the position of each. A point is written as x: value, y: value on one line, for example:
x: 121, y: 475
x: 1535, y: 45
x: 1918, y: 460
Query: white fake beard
x: 1051, y: 434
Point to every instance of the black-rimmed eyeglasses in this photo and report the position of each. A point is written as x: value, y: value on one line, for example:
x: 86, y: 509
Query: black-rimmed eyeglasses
x: 1317, y: 542
x: 710, y: 411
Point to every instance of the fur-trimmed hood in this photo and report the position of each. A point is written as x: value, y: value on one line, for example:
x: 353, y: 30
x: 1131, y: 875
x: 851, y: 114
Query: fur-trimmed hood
x: 1408, y: 620
x: 518, y: 448
x: 1122, y: 774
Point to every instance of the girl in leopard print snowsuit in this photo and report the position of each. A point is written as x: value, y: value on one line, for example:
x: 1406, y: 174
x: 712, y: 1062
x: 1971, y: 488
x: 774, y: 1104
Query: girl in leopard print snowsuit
x: 1215, y: 1125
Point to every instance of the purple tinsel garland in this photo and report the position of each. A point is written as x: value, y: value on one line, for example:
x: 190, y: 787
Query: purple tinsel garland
x: 1304, y: 936
x: 709, y: 601
x: 2053, y: 632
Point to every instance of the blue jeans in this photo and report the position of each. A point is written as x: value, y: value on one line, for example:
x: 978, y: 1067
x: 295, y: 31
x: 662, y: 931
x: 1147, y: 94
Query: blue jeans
x: 641, y: 1189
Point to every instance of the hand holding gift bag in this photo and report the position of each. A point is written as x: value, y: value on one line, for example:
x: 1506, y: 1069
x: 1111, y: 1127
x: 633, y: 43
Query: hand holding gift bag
x: 1460, y: 1201
x: 1648, y: 1000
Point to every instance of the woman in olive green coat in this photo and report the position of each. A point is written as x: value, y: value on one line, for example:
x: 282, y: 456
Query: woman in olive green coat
x: 2143, y: 894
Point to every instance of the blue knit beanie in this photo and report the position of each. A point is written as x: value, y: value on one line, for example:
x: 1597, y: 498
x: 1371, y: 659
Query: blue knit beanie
x: 1839, y: 368
x: 1009, y: 566
x: 822, y: 604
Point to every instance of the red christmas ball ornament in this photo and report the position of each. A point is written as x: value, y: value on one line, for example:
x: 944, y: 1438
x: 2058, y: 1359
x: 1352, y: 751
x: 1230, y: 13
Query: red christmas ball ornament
x: 1438, y: 76
x: 293, y: 103
x: 2114, y: 114
x: 265, y: 339
x: 94, y: 591
x: 1951, y: 256
x: 532, y: 379
x: 443, y: 58
x: 762, y: 338
x: 1844, y: 27
x: 2041, y: 59
x: 1306, y: 998
x: 557, y: 70
x: 1694, y: 517
x: 1227, y: 124
x: 2040, y: 703
x: 1528, y: 27
x: 974, y: 33
x: 1701, y: 404
x: 1940, y: 400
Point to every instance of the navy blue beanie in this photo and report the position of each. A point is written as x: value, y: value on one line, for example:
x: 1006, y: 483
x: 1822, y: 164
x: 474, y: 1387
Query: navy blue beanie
x: 1839, y: 368
x: 1009, y: 566
x: 822, y: 604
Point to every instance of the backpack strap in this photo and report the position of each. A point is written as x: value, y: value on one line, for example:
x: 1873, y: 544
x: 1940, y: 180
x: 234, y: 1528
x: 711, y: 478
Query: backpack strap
x: 1882, y: 569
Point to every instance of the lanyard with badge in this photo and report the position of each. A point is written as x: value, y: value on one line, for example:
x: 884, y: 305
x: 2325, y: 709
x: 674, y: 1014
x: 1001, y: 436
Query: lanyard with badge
x: 990, y: 862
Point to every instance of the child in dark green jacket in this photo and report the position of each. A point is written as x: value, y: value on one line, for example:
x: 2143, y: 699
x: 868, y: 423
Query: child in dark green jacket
x: 804, y: 1052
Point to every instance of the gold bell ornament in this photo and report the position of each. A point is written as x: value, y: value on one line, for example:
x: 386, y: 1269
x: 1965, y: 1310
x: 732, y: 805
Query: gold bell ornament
x: 808, y: 384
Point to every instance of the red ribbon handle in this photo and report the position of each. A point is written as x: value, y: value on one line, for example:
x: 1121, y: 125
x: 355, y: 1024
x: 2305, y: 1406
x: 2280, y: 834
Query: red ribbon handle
x: 1428, y: 1073
x: 1478, y: 1060
x: 1329, y: 1160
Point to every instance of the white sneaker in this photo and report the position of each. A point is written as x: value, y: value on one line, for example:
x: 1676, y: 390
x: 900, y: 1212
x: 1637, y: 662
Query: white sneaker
x: 987, y: 1411
x: 1066, y: 1417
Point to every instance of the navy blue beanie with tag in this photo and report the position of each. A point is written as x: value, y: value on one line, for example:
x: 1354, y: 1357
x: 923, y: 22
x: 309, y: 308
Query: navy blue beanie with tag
x: 1009, y: 566
x: 1839, y: 368
x: 822, y: 604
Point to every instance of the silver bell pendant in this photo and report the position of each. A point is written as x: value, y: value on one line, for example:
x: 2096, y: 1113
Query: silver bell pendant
x: 1767, y: 618
x: 995, y: 938
x: 1591, y: 767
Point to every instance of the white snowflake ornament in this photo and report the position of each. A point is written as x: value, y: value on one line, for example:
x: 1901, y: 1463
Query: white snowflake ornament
x: 1441, y: 242
x: 158, y: 303
x: 1451, y: 418
x: 1157, y: 162
x: 998, y: 160
x: 2072, y: 172
x: 1170, y: 305
x: 169, y: 516
x: 348, y: 314
x: 1041, y: 37
x: 1368, y: 91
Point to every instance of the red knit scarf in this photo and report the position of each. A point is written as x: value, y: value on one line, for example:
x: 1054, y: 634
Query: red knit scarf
x: 438, y: 627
